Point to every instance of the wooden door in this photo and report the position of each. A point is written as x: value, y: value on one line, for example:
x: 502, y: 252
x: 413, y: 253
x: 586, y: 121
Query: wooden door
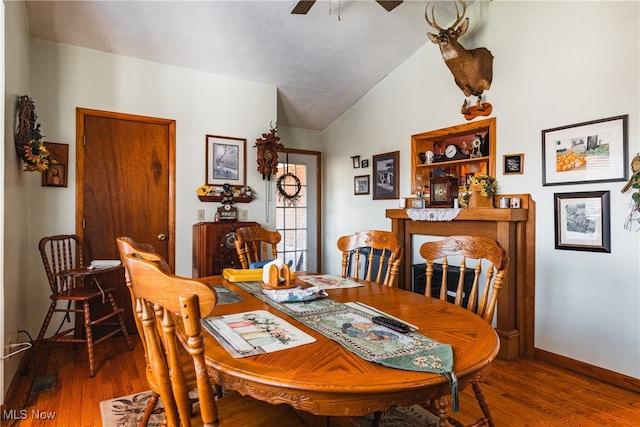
x: 125, y: 186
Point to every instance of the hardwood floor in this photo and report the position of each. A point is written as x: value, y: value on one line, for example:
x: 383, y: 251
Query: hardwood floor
x: 520, y: 393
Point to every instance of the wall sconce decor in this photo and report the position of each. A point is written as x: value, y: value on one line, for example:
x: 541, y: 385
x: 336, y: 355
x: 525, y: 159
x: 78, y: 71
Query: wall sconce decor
x: 356, y: 161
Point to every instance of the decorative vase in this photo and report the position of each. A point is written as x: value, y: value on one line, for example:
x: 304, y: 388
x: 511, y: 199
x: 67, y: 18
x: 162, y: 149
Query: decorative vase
x: 477, y: 200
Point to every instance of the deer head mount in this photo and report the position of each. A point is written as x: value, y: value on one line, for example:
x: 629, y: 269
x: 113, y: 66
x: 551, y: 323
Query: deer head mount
x: 472, y: 69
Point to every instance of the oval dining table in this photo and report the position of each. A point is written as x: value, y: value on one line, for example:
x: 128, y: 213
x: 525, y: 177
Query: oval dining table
x: 327, y: 380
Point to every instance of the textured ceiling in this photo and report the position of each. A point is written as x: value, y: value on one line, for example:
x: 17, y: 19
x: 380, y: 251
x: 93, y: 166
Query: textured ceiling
x: 322, y: 62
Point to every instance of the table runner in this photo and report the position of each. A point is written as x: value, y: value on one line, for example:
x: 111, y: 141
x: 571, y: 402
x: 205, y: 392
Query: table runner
x: 355, y: 331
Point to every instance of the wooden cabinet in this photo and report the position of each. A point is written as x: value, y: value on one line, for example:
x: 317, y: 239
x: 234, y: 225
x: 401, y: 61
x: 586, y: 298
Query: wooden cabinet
x: 213, y: 247
x: 471, y: 150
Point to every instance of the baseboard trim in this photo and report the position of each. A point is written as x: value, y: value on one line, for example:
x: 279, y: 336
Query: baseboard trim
x: 605, y: 375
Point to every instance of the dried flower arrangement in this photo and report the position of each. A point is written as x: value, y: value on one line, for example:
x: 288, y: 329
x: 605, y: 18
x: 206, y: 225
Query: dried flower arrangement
x: 28, y: 140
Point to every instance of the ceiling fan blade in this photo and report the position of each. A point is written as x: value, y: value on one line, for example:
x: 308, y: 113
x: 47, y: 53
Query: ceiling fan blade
x: 389, y: 5
x: 302, y: 7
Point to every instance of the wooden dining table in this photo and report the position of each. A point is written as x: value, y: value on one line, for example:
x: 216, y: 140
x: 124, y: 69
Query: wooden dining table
x: 327, y: 380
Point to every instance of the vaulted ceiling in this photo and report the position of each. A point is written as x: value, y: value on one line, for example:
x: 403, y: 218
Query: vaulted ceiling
x: 322, y: 62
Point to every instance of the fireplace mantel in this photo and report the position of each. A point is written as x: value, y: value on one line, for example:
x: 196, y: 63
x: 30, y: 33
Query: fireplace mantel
x: 514, y: 229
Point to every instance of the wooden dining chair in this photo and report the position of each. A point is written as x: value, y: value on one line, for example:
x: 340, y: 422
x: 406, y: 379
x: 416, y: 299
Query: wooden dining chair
x: 62, y: 253
x: 170, y: 308
x: 371, y: 255
x: 481, y: 298
x: 127, y: 245
x: 255, y: 244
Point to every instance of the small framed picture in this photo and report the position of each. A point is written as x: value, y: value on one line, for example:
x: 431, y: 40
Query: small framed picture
x: 361, y: 184
x: 582, y: 221
x: 56, y: 174
x: 513, y: 164
x: 364, y: 163
x: 226, y: 158
x: 386, y: 176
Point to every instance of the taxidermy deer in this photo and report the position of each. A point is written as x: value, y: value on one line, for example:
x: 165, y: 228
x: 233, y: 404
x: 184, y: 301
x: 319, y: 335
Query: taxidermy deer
x: 472, y: 69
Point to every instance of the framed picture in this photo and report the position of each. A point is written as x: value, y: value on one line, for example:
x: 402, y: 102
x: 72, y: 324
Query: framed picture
x: 582, y: 221
x: 385, y: 176
x: 513, y: 164
x: 588, y: 152
x: 361, y: 184
x: 56, y: 174
x: 356, y: 161
x: 226, y: 158
x: 364, y: 163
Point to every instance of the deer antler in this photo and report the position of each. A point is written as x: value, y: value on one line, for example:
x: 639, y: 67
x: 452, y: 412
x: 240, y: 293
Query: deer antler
x: 459, y: 15
x: 426, y: 16
x: 432, y: 21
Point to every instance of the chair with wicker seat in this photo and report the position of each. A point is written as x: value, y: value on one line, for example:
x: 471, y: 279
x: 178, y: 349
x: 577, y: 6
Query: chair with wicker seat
x: 171, y: 308
x: 490, y: 261
x: 380, y: 253
x: 255, y: 244
x: 63, y: 255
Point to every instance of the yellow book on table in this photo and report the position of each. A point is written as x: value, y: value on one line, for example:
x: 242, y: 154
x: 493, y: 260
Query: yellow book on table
x: 246, y: 274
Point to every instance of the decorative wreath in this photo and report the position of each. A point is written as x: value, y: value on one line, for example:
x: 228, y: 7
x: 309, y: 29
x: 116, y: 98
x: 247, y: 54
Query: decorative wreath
x: 285, y: 186
x: 28, y: 141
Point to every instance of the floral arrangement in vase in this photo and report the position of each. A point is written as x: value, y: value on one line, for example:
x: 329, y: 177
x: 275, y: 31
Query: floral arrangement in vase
x: 484, y: 186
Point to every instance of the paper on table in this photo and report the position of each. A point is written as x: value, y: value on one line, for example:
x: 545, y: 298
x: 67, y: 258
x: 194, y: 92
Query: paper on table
x: 103, y: 263
x: 254, y: 332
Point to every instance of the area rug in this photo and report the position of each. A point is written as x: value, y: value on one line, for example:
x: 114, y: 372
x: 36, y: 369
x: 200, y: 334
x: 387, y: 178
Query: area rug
x: 127, y: 411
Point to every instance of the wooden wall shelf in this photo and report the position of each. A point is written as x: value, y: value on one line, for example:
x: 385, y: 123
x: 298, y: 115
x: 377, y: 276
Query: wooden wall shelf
x: 514, y: 229
x: 219, y: 199
x: 459, y: 135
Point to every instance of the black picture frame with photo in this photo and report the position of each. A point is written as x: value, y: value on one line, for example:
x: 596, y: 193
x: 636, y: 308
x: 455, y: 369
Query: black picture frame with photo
x: 361, y: 184
x: 582, y: 221
x: 386, y: 168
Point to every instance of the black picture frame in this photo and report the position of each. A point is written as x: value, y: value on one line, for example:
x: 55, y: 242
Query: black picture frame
x: 385, y: 176
x: 361, y: 185
x: 587, y: 152
x: 582, y: 221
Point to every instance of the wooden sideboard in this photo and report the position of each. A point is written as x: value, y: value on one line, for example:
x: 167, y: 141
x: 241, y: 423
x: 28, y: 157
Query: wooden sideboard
x: 213, y: 247
x: 514, y: 229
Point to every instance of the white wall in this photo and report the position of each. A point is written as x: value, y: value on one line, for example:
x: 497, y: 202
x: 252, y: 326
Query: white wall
x: 15, y: 246
x: 65, y: 77
x: 556, y: 63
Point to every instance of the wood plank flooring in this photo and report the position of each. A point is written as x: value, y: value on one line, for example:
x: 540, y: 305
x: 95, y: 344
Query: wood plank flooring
x: 520, y: 393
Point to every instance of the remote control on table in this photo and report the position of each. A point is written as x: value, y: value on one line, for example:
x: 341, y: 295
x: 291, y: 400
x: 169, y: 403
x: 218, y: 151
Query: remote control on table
x: 391, y: 323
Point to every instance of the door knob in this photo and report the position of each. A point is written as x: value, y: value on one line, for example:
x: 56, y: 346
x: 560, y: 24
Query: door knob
x: 162, y: 237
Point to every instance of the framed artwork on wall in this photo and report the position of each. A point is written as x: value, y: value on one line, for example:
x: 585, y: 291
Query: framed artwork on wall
x: 582, y: 221
x: 361, y: 184
x: 513, y: 164
x: 386, y: 176
x: 56, y: 175
x: 226, y: 159
x: 587, y: 152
